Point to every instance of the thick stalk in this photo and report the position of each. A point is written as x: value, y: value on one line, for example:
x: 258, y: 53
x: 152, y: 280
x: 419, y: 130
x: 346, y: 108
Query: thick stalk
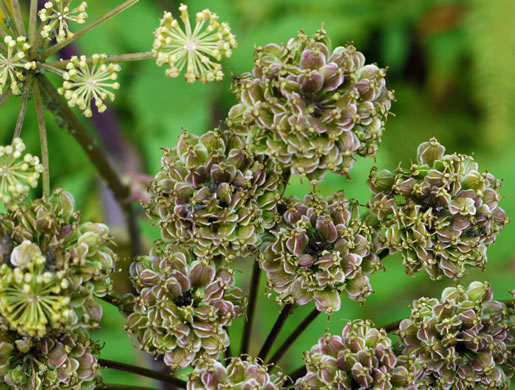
x: 251, y: 308
x: 33, y: 17
x: 293, y: 337
x: 23, y: 106
x: 54, y: 49
x: 18, y: 18
x: 97, y: 157
x: 148, y: 55
x: 269, y: 342
x: 142, y: 371
x: 43, y: 140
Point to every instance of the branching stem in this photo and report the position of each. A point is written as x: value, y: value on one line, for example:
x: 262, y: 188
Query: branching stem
x: 54, y: 49
x: 142, y: 371
x: 275, y: 331
x: 148, y: 55
x: 251, y: 308
x: 43, y: 140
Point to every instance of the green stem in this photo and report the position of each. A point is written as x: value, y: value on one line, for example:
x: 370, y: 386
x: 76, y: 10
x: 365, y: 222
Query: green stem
x: 54, y: 49
x: 275, y: 331
x: 43, y: 140
x: 97, y: 157
x: 251, y: 308
x: 293, y: 337
x: 33, y: 18
x: 18, y: 18
x: 142, y: 371
x: 148, y: 55
x: 23, y: 106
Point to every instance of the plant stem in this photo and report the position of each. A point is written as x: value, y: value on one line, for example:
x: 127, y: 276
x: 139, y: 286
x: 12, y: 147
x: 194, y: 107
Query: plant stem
x: 382, y: 254
x: 148, y: 55
x: 251, y: 308
x: 97, y: 157
x: 18, y: 18
x: 275, y: 331
x: 43, y: 140
x: 296, y: 333
x: 33, y: 17
x: 54, y: 49
x: 6, y: 95
x: 23, y: 106
x: 298, y: 373
x: 142, y: 371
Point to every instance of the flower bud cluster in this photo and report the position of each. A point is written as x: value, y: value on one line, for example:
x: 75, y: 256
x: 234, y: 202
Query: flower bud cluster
x: 441, y: 213
x: 53, y: 267
x: 238, y: 373
x: 84, y: 83
x: 13, y: 63
x: 320, y: 249
x: 312, y: 107
x: 65, y: 361
x: 197, y: 49
x: 18, y: 172
x: 362, y: 358
x: 183, y: 306
x: 215, y: 194
x: 56, y: 15
x: 464, y: 340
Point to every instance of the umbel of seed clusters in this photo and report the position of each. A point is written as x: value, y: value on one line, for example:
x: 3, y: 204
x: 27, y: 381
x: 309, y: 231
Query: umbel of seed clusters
x: 312, y: 107
x: 465, y: 339
x: 53, y: 267
x: 320, y: 249
x: 441, y: 213
x: 214, y: 193
x: 362, y: 358
x: 13, y: 63
x: 238, y: 373
x: 182, y: 307
x: 64, y: 361
x: 84, y: 83
x: 198, y: 49
x: 18, y: 171
x: 56, y: 15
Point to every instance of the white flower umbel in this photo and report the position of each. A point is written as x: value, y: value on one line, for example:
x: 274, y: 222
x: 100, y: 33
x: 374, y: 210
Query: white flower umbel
x: 13, y: 63
x: 84, y: 82
x: 17, y: 171
x: 57, y: 14
x: 197, y: 49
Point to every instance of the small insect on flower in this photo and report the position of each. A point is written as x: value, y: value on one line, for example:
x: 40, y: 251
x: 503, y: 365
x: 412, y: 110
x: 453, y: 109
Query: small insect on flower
x: 57, y: 14
x: 83, y: 83
x: 17, y: 173
x: 194, y: 49
x: 13, y: 63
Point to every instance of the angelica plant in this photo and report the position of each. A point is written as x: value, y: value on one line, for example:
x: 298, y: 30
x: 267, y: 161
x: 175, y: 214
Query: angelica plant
x: 306, y: 108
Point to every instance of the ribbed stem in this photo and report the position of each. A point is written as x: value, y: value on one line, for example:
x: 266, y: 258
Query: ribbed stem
x: 18, y: 18
x: 43, y: 140
x: 293, y: 337
x: 142, y: 371
x: 251, y: 308
x: 269, y: 342
x: 54, y: 49
x: 148, y: 55
x: 23, y: 106
x: 33, y: 17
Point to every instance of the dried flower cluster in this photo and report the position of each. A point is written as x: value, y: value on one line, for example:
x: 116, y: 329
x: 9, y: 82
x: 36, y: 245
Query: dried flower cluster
x: 215, y: 194
x: 464, y: 340
x: 320, y: 249
x: 311, y: 107
x: 183, y: 305
x: 210, y: 374
x: 441, y: 213
x: 53, y: 267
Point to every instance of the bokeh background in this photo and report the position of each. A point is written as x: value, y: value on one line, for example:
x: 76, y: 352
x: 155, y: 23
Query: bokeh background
x: 451, y: 63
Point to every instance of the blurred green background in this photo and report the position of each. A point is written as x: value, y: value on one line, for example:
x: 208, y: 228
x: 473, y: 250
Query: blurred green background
x: 451, y: 64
